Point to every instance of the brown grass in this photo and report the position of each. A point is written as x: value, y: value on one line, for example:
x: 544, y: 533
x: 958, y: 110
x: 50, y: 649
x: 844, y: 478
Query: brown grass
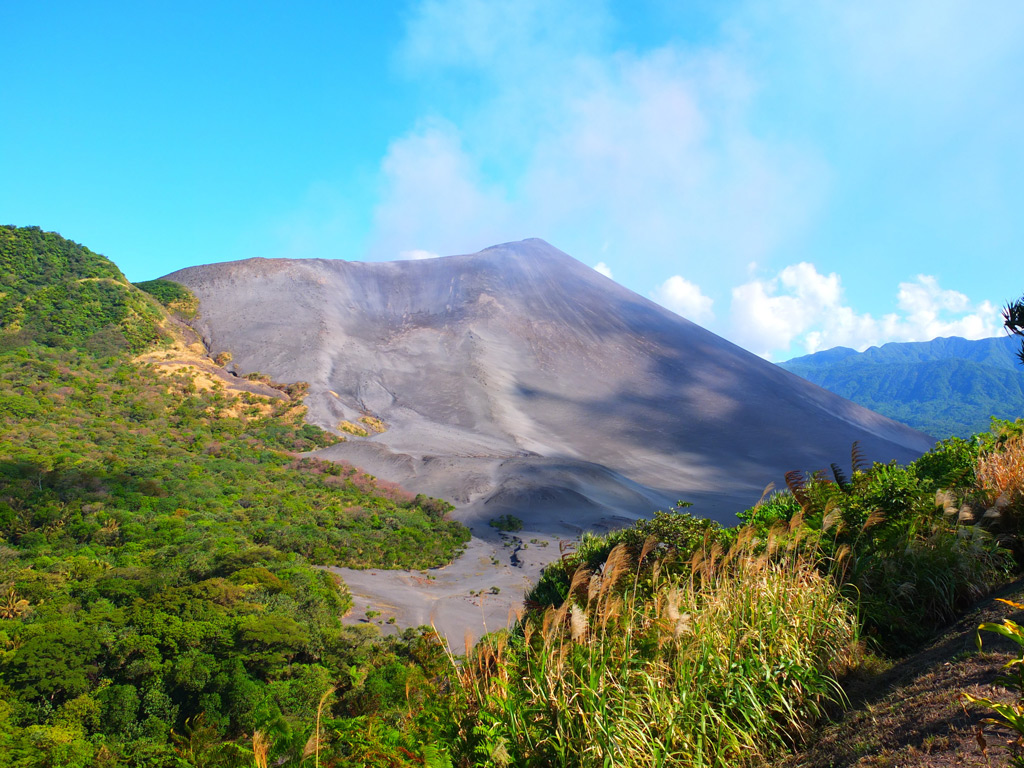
x: 1000, y: 474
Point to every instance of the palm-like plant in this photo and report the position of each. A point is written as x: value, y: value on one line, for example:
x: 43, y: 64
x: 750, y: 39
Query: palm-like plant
x: 12, y: 606
x: 1013, y: 320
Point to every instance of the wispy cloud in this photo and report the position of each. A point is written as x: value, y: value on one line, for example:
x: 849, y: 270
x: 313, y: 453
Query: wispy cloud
x: 584, y: 145
x: 766, y: 143
x: 435, y: 198
x: 417, y: 255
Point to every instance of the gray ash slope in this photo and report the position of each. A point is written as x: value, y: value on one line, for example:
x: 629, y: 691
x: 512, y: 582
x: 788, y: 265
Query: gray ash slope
x: 518, y: 379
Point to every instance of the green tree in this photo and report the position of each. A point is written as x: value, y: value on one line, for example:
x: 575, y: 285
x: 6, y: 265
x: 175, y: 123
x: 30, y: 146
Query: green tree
x: 271, y: 641
x: 57, y: 665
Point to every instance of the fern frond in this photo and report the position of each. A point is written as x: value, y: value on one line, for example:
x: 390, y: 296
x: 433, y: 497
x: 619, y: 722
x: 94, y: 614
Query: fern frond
x: 435, y: 757
x: 837, y: 473
x: 858, y: 463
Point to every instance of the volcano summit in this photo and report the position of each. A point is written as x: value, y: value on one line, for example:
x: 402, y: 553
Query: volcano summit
x: 518, y: 380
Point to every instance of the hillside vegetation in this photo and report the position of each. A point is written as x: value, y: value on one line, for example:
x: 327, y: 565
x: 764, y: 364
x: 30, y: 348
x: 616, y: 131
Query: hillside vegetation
x: 57, y: 293
x: 943, y: 387
x: 157, y: 538
x: 159, y: 604
x: 677, y: 642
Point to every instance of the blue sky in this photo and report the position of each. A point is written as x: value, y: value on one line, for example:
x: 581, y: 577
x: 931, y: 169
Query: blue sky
x: 791, y: 175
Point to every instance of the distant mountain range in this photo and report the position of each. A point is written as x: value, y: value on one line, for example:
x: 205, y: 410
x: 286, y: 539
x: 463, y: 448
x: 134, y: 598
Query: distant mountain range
x: 943, y: 387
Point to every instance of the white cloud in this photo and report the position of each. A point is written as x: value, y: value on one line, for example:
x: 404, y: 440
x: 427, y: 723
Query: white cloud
x: 561, y: 138
x: 716, y: 150
x: 435, y: 199
x: 416, y: 254
x: 649, y: 152
x: 684, y: 298
x: 923, y: 299
x: 803, y: 310
x: 604, y: 269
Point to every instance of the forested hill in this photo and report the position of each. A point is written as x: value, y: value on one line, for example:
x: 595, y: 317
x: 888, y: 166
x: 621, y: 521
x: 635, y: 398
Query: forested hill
x: 158, y: 531
x: 60, y: 294
x: 944, y: 387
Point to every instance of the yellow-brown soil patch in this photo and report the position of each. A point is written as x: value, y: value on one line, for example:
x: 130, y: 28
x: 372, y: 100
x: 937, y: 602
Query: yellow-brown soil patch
x: 250, y: 398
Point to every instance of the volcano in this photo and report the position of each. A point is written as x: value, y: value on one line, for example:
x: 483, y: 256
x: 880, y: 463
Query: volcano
x: 519, y: 380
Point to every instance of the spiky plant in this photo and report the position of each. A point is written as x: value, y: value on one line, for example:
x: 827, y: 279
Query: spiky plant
x: 1008, y: 716
x: 13, y: 606
x: 1013, y: 320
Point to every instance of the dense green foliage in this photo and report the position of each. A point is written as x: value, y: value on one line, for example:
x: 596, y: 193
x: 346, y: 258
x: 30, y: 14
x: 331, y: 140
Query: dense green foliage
x: 164, y: 551
x: 676, y: 537
x: 79, y: 432
x: 158, y: 597
x: 900, y: 540
x: 32, y: 259
x: 944, y: 387
x: 60, y: 294
x: 174, y: 296
x: 507, y: 523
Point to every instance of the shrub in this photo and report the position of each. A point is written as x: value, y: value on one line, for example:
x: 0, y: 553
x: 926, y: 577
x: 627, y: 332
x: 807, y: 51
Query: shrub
x: 352, y: 429
x: 507, y: 523
x: 950, y: 464
x: 671, y: 537
x: 886, y: 537
x: 373, y: 423
x: 777, y: 509
x: 1000, y: 476
x: 174, y: 296
x: 1000, y: 491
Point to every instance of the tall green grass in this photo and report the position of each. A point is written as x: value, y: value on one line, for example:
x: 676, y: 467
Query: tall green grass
x: 650, y: 667
x: 702, y: 646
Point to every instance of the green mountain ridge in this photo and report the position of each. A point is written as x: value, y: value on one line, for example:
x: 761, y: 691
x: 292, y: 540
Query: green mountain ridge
x: 945, y: 387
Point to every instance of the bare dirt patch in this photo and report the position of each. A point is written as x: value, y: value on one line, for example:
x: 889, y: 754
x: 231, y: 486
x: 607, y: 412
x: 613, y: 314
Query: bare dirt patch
x: 914, y: 713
